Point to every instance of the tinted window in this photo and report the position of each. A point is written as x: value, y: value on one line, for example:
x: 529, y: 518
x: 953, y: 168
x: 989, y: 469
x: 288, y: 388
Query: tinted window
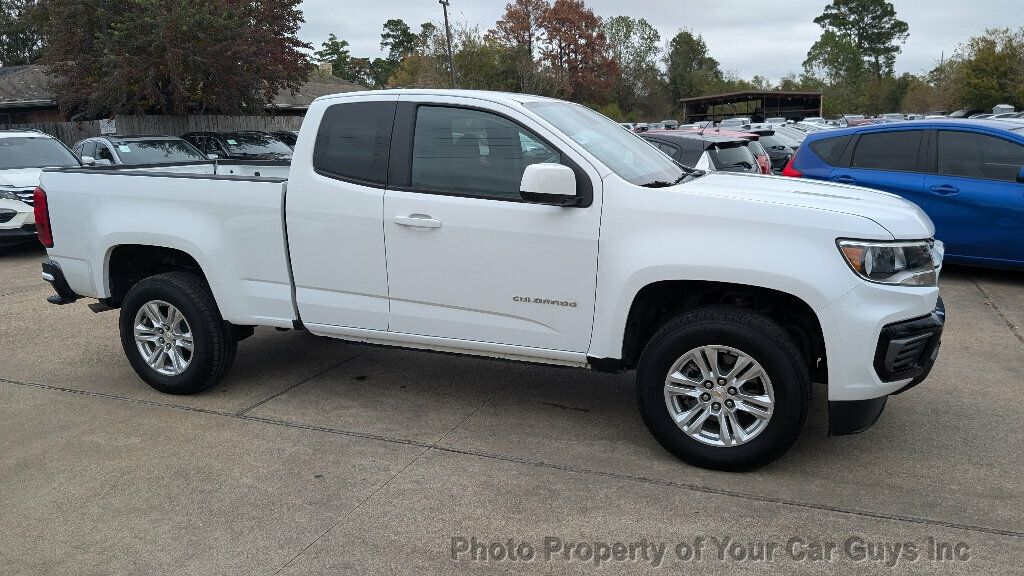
x: 103, y: 153
x: 830, y: 149
x: 732, y: 158
x: 354, y: 140
x: 472, y: 152
x: 255, y: 144
x: 771, y: 141
x: 157, y: 151
x: 978, y: 156
x: 34, y: 152
x: 888, y: 150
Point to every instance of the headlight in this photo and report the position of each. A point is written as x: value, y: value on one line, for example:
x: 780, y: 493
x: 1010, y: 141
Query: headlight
x: 8, y: 195
x: 914, y: 263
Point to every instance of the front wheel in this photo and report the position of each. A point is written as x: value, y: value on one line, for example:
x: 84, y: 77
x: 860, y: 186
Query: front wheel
x: 173, y: 334
x: 724, y: 388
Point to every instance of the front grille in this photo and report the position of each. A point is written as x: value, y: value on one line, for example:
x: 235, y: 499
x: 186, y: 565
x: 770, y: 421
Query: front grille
x: 26, y: 195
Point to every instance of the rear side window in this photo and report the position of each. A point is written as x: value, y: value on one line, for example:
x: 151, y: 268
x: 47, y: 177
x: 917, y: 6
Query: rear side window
x: 354, y: 140
x: 888, y: 151
x: 830, y: 149
x: 978, y: 156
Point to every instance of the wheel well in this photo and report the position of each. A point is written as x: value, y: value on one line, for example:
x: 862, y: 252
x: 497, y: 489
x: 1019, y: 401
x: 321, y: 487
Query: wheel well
x: 130, y: 264
x: 657, y: 303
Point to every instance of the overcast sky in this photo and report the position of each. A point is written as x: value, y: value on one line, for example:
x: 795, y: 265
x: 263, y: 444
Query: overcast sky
x: 747, y: 37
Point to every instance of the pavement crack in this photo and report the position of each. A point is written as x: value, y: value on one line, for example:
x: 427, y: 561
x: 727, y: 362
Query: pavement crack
x: 297, y: 384
x: 999, y: 311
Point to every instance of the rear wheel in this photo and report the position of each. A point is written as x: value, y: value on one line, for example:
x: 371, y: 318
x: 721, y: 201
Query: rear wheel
x: 173, y: 334
x: 724, y: 388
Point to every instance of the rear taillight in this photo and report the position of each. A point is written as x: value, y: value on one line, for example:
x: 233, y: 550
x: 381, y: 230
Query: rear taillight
x: 42, y: 217
x: 790, y: 171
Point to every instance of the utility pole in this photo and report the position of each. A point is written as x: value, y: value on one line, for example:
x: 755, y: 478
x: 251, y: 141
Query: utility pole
x: 448, y: 35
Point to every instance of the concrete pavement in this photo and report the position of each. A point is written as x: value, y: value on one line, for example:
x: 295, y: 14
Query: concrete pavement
x: 319, y: 457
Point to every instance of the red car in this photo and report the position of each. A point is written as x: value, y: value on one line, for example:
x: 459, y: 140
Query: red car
x: 763, y: 161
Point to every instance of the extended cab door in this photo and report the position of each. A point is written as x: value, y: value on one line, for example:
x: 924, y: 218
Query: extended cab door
x: 334, y: 211
x: 890, y: 160
x: 466, y: 257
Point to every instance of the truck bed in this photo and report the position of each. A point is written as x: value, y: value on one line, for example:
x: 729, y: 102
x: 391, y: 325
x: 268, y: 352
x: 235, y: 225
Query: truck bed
x: 221, y: 213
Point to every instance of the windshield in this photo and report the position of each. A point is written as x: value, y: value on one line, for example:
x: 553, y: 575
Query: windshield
x: 157, y: 151
x: 624, y: 153
x: 732, y: 158
x: 34, y: 152
x: 256, y: 143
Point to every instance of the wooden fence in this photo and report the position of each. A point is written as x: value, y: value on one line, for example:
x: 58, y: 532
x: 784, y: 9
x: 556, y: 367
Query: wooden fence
x: 71, y: 132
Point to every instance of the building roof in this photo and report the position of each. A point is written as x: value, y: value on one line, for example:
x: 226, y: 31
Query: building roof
x: 28, y: 86
x: 319, y: 84
x: 25, y: 85
x: 750, y: 95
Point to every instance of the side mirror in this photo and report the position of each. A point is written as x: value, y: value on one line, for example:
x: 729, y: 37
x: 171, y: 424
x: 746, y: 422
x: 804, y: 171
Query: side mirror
x: 88, y: 160
x: 551, y: 184
x: 1020, y: 175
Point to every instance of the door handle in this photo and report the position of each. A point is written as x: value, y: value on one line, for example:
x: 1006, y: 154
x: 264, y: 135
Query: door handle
x: 945, y: 189
x: 417, y: 221
x: 845, y: 179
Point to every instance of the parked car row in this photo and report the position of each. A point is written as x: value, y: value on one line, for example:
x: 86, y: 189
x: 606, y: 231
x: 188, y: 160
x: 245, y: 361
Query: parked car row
x: 24, y: 154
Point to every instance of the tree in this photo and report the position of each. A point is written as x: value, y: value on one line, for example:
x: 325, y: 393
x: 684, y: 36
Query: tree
x: 576, y: 51
x: 868, y: 28
x: 989, y: 69
x: 336, y: 52
x: 398, y: 39
x: 173, y: 56
x: 634, y: 44
x: 522, y: 25
x: 691, y: 69
x: 21, y: 31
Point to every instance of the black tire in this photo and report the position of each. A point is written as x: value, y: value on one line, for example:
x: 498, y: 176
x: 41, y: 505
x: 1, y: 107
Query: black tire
x: 214, y: 345
x: 756, y: 335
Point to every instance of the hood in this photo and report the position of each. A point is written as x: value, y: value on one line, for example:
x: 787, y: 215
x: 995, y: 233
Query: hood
x: 901, y: 218
x: 20, y: 178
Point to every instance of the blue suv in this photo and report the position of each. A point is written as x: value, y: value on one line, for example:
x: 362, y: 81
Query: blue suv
x: 967, y: 175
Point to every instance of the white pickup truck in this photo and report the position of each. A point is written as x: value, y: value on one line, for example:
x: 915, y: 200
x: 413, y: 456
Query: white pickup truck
x: 524, y: 228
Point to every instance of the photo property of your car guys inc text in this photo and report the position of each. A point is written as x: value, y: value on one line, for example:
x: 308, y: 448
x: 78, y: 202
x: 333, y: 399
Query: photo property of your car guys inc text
x: 433, y: 287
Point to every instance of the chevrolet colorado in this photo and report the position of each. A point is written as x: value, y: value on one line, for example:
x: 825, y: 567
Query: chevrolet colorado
x: 523, y: 228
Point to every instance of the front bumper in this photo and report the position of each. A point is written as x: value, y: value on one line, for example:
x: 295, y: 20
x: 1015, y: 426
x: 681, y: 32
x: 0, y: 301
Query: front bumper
x: 22, y: 234
x: 904, y: 355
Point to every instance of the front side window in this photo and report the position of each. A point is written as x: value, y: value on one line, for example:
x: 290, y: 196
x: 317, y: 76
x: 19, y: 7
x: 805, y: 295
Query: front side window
x: 973, y: 155
x: 888, y: 151
x: 622, y: 152
x: 471, y: 152
x: 103, y: 153
x: 34, y: 152
x: 354, y: 141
